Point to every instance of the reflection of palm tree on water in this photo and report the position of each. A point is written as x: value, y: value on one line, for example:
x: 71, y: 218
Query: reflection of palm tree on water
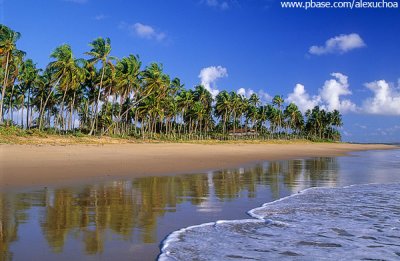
x: 131, y: 209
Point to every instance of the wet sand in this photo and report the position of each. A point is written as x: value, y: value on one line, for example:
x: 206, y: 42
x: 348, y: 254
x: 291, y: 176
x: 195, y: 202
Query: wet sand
x: 31, y: 166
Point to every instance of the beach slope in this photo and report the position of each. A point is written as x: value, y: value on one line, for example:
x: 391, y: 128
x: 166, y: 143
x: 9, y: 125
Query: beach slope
x: 31, y: 166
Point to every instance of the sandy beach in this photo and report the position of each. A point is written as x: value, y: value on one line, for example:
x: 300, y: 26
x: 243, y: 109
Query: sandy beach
x: 31, y: 166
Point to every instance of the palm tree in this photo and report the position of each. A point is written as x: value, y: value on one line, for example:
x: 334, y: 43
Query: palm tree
x: 171, y: 109
x: 278, y: 115
x: 155, y: 81
x: 43, y: 87
x: 29, y: 77
x: 156, y: 84
x: 176, y: 86
x: 317, y: 122
x: 294, y: 117
x: 272, y: 115
x: 100, y: 52
x: 336, y: 119
x: 148, y: 99
x: 333, y: 119
x: 262, y: 117
x: 49, y: 86
x: 251, y: 114
x: 15, y: 67
x: 254, y: 99
x: 236, y: 104
x: 223, y: 108
x: 69, y: 72
x: 128, y: 79
x: 184, y: 100
x: 204, y: 97
x: 8, y: 50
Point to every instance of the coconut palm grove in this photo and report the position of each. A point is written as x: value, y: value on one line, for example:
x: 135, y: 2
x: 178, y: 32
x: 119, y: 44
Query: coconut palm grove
x: 105, y: 95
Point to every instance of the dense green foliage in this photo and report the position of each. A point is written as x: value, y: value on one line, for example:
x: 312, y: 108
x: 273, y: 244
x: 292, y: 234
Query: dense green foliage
x: 104, y: 95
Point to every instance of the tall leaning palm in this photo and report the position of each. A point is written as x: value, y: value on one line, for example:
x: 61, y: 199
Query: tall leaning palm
x: 100, y: 53
x: 8, y: 48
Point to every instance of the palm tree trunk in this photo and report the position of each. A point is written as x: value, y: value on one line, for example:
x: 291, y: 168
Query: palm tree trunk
x: 224, y: 124
x: 136, y: 121
x: 27, y: 107
x: 97, y: 103
x: 3, y: 91
x: 72, y: 111
x: 60, y: 114
x: 10, y: 104
x: 180, y: 125
x: 22, y: 114
x: 45, y: 103
x: 142, y: 128
x: 234, y: 123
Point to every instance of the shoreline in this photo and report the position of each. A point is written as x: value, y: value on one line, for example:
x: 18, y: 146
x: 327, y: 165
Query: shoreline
x: 28, y: 166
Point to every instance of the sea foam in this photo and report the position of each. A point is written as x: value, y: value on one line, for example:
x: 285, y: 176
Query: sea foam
x: 357, y: 222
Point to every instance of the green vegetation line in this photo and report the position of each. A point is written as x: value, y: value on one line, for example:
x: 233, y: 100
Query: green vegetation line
x: 108, y: 96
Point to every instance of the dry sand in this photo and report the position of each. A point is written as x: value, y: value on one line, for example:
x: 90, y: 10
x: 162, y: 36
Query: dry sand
x: 32, y: 166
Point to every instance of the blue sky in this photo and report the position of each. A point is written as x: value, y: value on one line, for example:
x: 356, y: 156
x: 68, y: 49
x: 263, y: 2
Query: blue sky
x: 246, y: 46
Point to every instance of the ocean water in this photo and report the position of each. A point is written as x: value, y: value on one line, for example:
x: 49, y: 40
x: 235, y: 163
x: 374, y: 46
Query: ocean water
x: 130, y: 218
x: 354, y: 222
x: 360, y: 222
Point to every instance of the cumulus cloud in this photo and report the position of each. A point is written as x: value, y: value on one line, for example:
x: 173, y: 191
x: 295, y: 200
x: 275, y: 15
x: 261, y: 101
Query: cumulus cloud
x: 386, y: 99
x: 302, y: 99
x: 223, y: 5
x: 333, y: 89
x: 329, y: 96
x: 209, y: 75
x: 339, y: 44
x: 143, y: 31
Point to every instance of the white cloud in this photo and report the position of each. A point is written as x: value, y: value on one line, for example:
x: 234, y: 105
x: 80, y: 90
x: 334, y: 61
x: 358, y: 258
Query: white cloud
x: 245, y: 92
x: 339, y: 44
x: 223, y: 5
x: 302, y: 99
x: 386, y: 99
x: 333, y: 89
x: 147, y: 32
x: 264, y: 97
x: 329, y: 96
x: 143, y: 31
x: 209, y: 75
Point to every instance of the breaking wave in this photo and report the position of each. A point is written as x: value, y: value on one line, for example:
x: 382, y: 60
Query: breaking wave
x: 356, y: 222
